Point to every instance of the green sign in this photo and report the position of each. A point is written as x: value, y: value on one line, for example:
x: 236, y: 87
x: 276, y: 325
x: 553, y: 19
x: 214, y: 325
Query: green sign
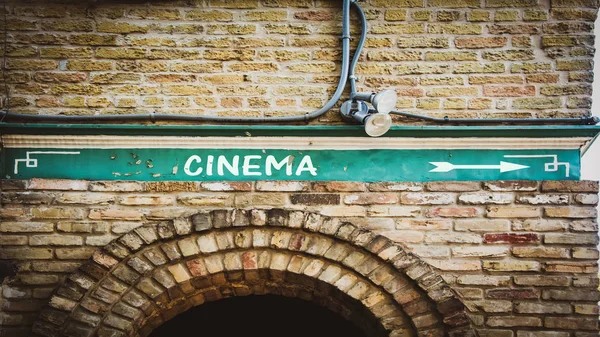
x: 370, y: 165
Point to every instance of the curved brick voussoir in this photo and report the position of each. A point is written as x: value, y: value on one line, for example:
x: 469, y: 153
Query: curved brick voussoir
x: 155, y: 272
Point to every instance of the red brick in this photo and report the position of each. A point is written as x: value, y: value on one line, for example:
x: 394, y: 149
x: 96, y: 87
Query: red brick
x: 511, y: 238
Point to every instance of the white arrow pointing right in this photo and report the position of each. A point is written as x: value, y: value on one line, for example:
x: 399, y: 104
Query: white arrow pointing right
x: 443, y: 167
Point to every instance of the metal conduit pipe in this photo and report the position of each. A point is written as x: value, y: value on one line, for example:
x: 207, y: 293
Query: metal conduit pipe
x: 589, y: 120
x: 359, y: 48
x: 153, y: 117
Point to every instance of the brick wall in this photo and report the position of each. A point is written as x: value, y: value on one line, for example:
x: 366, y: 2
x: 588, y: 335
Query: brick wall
x: 464, y: 58
x: 522, y: 256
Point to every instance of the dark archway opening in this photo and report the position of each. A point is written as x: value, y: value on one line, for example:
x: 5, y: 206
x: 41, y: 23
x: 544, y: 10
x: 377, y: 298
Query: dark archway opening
x: 265, y: 316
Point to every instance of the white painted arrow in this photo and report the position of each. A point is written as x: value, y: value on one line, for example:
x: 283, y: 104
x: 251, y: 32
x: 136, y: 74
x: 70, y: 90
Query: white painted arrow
x: 503, y: 167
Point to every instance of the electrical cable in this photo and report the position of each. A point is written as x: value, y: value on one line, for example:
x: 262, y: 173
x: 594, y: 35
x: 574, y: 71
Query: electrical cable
x: 359, y: 48
x: 347, y: 75
x: 195, y: 118
x: 590, y: 120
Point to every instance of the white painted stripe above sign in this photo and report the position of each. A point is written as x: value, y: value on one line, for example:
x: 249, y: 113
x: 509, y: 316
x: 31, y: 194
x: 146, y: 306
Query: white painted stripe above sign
x: 294, y: 143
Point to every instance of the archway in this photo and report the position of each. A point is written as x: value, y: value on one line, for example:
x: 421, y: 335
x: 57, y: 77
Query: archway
x: 152, y: 274
x: 265, y: 316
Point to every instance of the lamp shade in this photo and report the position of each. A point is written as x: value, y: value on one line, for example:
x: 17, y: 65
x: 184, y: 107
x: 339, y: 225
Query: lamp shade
x: 377, y: 124
x: 385, y: 101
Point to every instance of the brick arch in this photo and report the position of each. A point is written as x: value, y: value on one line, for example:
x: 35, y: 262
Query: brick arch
x: 151, y: 274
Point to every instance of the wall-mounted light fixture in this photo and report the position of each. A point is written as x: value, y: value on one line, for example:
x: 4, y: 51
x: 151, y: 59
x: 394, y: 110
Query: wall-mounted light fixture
x: 384, y: 102
x: 376, y: 123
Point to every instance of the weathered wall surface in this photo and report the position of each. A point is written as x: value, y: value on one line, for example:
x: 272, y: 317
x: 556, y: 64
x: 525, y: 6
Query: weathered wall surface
x: 478, y: 58
x: 521, y: 255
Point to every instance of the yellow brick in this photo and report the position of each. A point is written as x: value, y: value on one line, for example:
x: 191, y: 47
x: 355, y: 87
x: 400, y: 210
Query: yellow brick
x: 77, y: 89
x: 154, y: 13
x: 186, y: 90
x: 86, y: 65
x: 499, y: 79
x: 455, y: 103
x: 442, y: 80
x: 155, y: 42
x: 399, y: 28
x: 314, y: 103
x: 256, y: 42
x: 422, y: 68
x: 170, y: 78
x: 298, y: 90
x: 120, y: 53
x: 327, y: 55
x: 206, y: 102
x: 115, y: 78
x: 470, y: 68
x: 452, y: 92
x: 270, y: 16
x: 321, y: 42
x: 208, y: 15
x: 522, y: 42
x: 17, y: 24
x: 179, y: 102
x: 286, y: 102
x: 65, y: 53
x: 451, y: 56
x: 511, y: 3
x: 454, y: 3
x: 128, y: 102
x: 423, y: 42
x: 174, y: 54
x: 478, y: 16
x: 313, y: 67
x: 229, y: 54
x: 98, y: 102
x: 287, y: 29
x: 480, y: 103
x: 510, y: 55
x: 20, y: 51
x: 280, y: 79
x: 235, y: 4
x: 531, y: 67
x: 395, y: 15
x: 24, y: 64
x: 74, y: 102
x: 506, y: 16
x: 93, y: 40
x: 213, y: 42
x: 242, y: 90
x: 428, y: 103
x: 178, y: 29
x: 235, y: 29
x: 537, y: 103
x: 153, y: 101
x: 455, y: 29
x: 288, y: 3
x: 374, y: 69
x: 223, y: 79
x: 421, y: 15
x: 68, y: 26
x: 284, y: 55
x: 259, y: 102
x: 254, y: 66
x: 121, y: 28
x: 142, y: 66
x: 397, y: 3
x: 378, y: 42
x: 204, y: 67
x: 394, y: 56
x: 535, y: 15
